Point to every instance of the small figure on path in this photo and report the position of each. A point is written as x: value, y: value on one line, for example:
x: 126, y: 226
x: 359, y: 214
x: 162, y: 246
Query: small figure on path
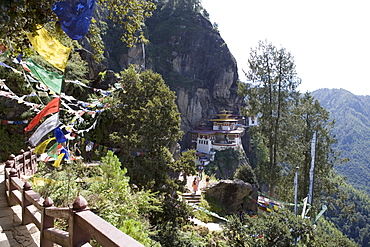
x: 207, y: 180
x: 77, y: 149
x: 200, y: 171
x: 241, y: 216
x: 195, y: 185
x: 88, y: 151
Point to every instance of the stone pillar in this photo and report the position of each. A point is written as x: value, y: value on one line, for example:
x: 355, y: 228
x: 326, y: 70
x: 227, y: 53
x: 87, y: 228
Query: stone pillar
x: 46, y: 222
x: 23, y: 167
x: 79, y: 235
x: 12, y: 174
x: 25, y: 203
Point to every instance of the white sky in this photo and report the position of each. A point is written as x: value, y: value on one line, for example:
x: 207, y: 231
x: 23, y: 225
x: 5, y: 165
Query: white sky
x: 330, y: 40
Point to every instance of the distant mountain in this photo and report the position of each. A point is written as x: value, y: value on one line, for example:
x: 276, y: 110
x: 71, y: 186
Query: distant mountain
x: 352, y: 129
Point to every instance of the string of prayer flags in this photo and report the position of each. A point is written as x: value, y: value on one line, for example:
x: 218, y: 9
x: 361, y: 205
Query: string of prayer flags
x: 6, y: 122
x: 9, y: 67
x: 40, y: 149
x: 51, y: 107
x: 50, y: 79
x: 49, y: 125
x: 99, y: 147
x: 5, y: 65
x: 50, y: 48
x: 75, y: 16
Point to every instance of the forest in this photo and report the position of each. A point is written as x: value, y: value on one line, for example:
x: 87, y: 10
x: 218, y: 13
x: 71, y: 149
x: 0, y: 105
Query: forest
x: 134, y: 111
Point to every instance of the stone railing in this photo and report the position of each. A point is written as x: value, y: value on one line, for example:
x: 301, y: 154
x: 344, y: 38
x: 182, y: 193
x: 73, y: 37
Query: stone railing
x: 83, y: 225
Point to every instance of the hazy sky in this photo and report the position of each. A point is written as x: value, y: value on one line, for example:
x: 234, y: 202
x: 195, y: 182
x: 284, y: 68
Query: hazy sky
x: 330, y: 40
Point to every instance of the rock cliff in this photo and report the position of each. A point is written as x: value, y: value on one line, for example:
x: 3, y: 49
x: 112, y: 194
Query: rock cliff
x: 191, y: 56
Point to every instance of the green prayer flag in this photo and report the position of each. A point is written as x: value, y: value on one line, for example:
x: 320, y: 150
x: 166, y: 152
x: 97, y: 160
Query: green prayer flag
x: 50, y: 79
x: 53, y: 151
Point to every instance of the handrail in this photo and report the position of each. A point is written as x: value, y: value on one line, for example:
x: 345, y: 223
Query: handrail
x: 83, y: 225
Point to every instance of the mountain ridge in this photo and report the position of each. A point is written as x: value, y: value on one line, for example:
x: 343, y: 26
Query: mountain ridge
x: 352, y: 130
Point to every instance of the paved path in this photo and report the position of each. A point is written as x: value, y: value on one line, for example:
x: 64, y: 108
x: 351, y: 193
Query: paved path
x: 12, y: 232
x: 202, y: 185
x: 189, y: 182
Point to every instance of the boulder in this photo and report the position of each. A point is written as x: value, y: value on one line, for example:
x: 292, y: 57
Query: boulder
x: 235, y: 195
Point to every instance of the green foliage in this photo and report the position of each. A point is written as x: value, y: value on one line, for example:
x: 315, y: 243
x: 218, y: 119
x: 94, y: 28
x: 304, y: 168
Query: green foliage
x: 170, y: 235
x: 281, y: 229
x: 225, y: 163
x: 186, y: 162
x: 20, y: 16
x: 173, y: 26
x: 211, y: 205
x: 352, y: 215
x: 15, y: 81
x: 11, y: 140
x: 130, y: 15
x: 272, y: 92
x: 328, y: 235
x: 143, y: 120
x: 110, y: 196
x: 307, y: 118
x: 246, y: 173
x: 352, y: 129
x: 61, y: 188
x: 94, y: 37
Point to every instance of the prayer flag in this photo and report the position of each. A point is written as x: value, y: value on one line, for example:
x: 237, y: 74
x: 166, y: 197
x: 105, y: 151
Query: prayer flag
x: 64, y: 150
x: 49, y: 125
x: 50, y: 48
x: 59, y: 135
x: 60, y: 158
x: 75, y: 16
x: 53, y: 151
x: 40, y: 149
x: 5, y: 65
x: 50, y: 79
x: 38, y: 181
x: 51, y: 107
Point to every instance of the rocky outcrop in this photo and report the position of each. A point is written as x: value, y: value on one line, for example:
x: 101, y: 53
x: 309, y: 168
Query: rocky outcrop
x: 192, y: 58
x: 235, y: 195
x: 195, y: 62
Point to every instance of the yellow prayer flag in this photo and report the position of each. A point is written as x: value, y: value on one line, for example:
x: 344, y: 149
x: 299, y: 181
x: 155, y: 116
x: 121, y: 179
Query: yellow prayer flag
x: 38, y: 181
x: 40, y: 149
x: 57, y: 162
x: 50, y: 48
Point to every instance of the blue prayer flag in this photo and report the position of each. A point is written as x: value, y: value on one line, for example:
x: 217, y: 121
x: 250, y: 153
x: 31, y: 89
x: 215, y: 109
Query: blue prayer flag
x: 75, y: 16
x: 59, y: 136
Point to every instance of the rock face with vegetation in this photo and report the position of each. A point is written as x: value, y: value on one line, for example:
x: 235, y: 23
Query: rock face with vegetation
x: 236, y: 194
x: 191, y: 56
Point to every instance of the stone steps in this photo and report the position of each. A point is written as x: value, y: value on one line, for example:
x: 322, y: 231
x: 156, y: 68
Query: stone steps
x: 192, y: 198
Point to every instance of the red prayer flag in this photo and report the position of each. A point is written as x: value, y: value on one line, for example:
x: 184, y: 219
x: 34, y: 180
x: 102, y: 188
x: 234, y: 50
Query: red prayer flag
x: 50, y: 108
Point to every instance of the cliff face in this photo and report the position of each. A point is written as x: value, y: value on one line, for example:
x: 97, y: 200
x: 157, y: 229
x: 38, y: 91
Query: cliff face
x: 192, y: 58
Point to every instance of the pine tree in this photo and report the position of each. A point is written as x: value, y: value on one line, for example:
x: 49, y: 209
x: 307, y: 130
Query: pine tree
x: 271, y: 94
x: 143, y: 121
